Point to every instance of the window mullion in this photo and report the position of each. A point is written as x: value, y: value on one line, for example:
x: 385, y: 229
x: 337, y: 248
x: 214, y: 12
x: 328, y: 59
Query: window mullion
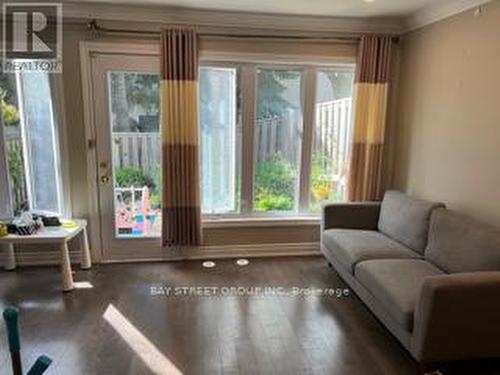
x: 309, y: 98
x: 248, y: 100
x: 6, y: 210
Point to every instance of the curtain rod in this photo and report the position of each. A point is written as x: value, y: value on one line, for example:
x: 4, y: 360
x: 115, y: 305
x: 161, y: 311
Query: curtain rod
x: 94, y: 28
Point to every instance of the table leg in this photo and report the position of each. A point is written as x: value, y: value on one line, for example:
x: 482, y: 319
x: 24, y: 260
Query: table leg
x: 10, y: 257
x: 67, y: 277
x: 86, y: 262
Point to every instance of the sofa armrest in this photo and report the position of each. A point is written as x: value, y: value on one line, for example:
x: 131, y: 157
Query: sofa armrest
x: 363, y: 215
x: 458, y: 317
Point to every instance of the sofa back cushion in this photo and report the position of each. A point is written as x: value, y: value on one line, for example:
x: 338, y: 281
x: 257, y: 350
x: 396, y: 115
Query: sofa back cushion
x: 458, y: 243
x: 406, y: 219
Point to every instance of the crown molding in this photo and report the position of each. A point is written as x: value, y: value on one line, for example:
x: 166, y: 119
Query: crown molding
x: 158, y: 15
x: 151, y: 17
x: 438, y: 12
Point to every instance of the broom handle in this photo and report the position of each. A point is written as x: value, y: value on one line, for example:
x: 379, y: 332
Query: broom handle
x: 40, y: 366
x: 11, y: 319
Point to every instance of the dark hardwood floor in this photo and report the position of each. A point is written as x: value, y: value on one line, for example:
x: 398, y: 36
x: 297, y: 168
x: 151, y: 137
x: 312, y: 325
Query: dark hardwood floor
x: 123, y: 326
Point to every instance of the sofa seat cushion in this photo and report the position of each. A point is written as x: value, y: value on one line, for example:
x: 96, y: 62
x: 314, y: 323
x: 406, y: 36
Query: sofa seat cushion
x: 350, y: 246
x: 396, y: 284
x: 458, y: 243
x: 406, y: 219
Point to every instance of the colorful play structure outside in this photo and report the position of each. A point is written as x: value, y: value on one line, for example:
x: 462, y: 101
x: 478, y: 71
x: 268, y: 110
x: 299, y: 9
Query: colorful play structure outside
x: 43, y: 362
x: 134, y: 213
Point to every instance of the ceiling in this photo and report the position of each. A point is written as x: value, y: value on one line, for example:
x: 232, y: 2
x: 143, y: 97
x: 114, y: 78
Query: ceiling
x: 332, y: 8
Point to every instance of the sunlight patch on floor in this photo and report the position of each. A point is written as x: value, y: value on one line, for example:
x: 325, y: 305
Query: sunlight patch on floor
x: 82, y: 285
x: 145, y: 349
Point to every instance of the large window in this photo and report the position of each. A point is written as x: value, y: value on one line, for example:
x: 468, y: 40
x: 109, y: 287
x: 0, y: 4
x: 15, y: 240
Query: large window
x: 274, y: 141
x: 31, y: 142
x: 278, y: 138
x: 296, y: 129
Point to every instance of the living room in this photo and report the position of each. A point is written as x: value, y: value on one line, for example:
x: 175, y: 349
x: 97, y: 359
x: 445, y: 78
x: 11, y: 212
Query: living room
x: 250, y: 187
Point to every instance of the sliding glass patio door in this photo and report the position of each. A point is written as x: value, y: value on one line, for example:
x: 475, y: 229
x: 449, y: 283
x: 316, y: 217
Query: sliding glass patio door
x: 128, y: 142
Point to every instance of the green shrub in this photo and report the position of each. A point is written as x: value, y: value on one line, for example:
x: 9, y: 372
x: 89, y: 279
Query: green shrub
x: 155, y: 174
x: 266, y: 201
x: 9, y: 112
x: 276, y: 175
x: 132, y: 176
x: 16, y: 168
x: 274, y: 185
x: 155, y: 200
x: 321, y: 170
x: 322, y: 186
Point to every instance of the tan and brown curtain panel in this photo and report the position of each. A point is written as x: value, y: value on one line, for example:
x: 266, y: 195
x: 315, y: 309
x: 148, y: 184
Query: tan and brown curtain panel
x: 371, y: 90
x: 179, y: 121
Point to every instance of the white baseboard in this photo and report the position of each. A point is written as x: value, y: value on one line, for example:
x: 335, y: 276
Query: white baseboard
x: 44, y: 258
x: 227, y: 251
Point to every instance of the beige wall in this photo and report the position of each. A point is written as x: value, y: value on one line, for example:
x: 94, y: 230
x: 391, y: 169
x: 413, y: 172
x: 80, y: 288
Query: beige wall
x: 448, y: 145
x: 74, y: 33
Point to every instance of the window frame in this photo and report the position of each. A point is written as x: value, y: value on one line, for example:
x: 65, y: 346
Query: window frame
x: 248, y: 89
x: 5, y: 188
x: 238, y: 67
x: 58, y: 114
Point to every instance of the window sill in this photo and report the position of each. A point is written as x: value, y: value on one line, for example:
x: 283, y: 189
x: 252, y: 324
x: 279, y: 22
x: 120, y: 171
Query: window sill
x: 245, y: 222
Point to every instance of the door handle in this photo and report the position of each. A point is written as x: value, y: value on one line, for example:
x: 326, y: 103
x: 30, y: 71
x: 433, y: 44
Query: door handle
x: 105, y: 179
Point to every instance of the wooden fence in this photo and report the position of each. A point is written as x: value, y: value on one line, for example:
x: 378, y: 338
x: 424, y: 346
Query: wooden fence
x: 277, y: 135
x: 141, y: 150
x: 333, y: 133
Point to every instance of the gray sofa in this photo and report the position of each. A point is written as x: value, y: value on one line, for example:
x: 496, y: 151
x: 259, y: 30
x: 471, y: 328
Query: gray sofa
x: 429, y: 274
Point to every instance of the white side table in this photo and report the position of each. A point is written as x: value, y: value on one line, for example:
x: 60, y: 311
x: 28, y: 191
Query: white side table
x: 54, y: 235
